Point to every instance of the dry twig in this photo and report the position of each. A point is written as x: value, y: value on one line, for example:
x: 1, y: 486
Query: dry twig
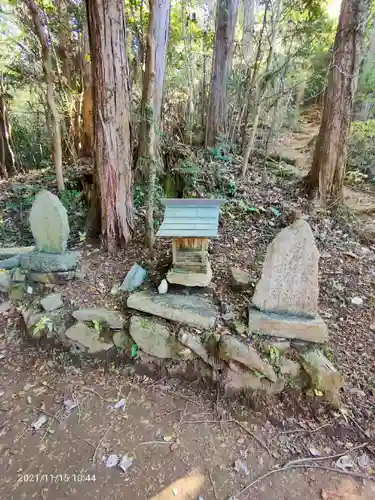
x: 93, y: 391
x: 297, y: 431
x: 328, y: 457
x: 99, y: 443
x: 212, y: 483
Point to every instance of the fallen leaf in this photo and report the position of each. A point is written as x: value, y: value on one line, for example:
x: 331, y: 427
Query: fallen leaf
x: 40, y: 422
x: 125, y: 463
x: 111, y: 461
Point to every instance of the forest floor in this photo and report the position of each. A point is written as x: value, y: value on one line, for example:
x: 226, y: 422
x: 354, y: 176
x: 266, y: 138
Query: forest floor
x: 173, y: 428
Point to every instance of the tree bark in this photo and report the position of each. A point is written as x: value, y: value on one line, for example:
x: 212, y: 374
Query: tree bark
x: 112, y: 149
x: 248, y: 23
x: 226, y: 18
x: 148, y: 125
x: 328, y: 166
x: 54, y: 121
x: 87, y: 111
x: 160, y: 30
x: 8, y: 165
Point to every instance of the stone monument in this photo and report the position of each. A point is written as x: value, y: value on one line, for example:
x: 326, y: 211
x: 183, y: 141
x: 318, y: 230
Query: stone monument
x: 285, y: 302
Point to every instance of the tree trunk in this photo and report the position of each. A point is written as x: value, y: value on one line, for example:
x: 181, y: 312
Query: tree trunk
x: 226, y: 18
x: 8, y: 166
x: 54, y: 120
x: 261, y: 88
x: 148, y: 124
x: 160, y: 29
x: 328, y: 166
x: 87, y: 118
x: 365, y: 105
x: 112, y: 150
x: 248, y: 23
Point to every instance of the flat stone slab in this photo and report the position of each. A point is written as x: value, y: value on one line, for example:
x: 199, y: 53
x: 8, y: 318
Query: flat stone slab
x: 186, y: 278
x: 87, y: 339
x: 49, y: 223
x: 287, y: 326
x: 191, y: 310
x: 10, y: 262
x: 154, y: 337
x: 112, y: 319
x: 44, y: 262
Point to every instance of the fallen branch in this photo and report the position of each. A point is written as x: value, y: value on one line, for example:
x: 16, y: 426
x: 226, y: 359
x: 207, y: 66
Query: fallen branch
x: 296, y: 431
x: 251, y: 434
x: 297, y: 464
x: 327, y: 457
x: 212, y: 483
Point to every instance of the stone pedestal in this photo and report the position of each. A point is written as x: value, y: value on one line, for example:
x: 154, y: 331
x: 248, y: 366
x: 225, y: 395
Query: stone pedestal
x: 188, y: 278
x: 288, y: 326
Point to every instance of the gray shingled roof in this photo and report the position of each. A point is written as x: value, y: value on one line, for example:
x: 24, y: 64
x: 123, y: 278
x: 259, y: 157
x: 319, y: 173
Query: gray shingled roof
x: 190, y: 218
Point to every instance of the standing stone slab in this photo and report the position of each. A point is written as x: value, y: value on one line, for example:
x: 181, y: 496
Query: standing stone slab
x: 153, y: 336
x: 188, y: 309
x: 289, y: 282
x: 49, y: 223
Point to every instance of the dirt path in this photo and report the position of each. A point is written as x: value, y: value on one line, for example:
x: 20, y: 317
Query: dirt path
x: 178, y: 447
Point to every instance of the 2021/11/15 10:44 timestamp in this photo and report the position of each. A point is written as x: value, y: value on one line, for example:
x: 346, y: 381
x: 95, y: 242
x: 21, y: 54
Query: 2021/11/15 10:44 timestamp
x: 56, y: 478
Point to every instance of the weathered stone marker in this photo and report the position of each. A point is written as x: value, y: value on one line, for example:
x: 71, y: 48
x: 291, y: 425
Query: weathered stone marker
x: 285, y: 302
x: 49, y: 223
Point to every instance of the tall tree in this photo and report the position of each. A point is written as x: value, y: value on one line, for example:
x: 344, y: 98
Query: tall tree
x: 87, y: 104
x: 226, y: 18
x: 328, y: 166
x: 40, y: 30
x: 8, y: 165
x: 248, y: 22
x: 152, y: 92
x: 112, y: 155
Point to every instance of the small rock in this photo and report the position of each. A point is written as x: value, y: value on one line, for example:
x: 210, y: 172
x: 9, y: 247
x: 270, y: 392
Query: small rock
x: 52, y: 302
x: 163, y: 287
x: 364, y: 461
x: 345, y: 462
x: 111, y: 461
x: 240, y: 280
x: 358, y: 301
x: 122, y: 339
x: 18, y: 276
x: 134, y: 279
x: 238, y: 379
x: 40, y: 422
x: 125, y: 463
x: 16, y: 291
x: 112, y: 319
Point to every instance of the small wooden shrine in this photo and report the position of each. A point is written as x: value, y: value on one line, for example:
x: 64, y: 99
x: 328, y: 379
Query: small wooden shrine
x: 190, y: 223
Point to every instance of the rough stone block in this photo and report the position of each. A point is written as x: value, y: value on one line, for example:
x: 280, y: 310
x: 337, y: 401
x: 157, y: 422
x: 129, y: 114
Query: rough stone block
x: 112, y: 319
x: 192, y: 310
x: 49, y: 223
x: 193, y: 342
x: 238, y: 379
x: 154, y: 337
x: 291, y: 327
x: 43, y: 262
x: 48, y: 278
x: 51, y: 302
x: 87, y: 339
x: 232, y: 349
x: 11, y: 262
x: 323, y: 374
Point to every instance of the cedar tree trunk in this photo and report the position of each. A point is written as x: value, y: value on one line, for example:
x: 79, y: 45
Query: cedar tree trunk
x: 112, y: 149
x: 326, y: 176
